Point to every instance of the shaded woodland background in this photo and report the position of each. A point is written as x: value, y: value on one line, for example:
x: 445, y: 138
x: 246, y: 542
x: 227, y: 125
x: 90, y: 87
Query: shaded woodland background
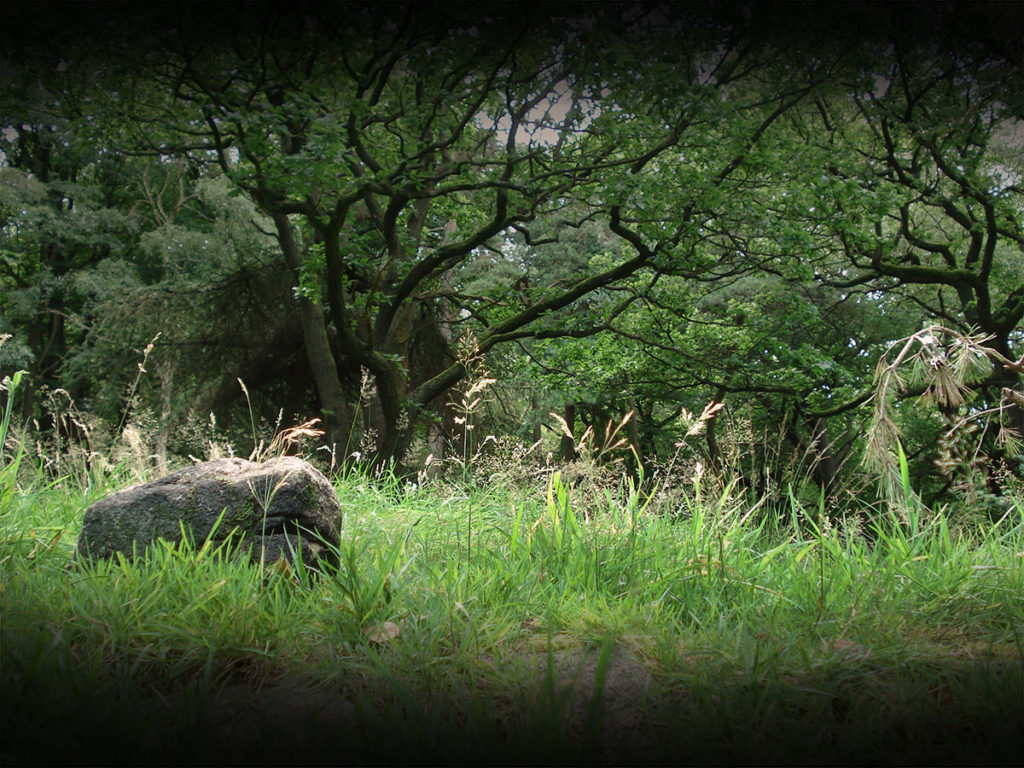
x: 453, y: 233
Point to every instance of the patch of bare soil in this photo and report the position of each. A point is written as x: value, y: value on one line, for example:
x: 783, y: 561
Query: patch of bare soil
x: 610, y: 710
x: 239, y: 718
x: 534, y: 707
x: 596, y: 717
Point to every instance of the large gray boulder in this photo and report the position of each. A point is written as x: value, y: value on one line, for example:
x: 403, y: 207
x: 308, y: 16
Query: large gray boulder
x: 275, y: 506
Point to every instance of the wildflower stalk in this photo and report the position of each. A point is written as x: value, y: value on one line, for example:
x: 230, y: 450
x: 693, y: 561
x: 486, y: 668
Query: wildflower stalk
x: 478, y: 380
x: 135, y: 384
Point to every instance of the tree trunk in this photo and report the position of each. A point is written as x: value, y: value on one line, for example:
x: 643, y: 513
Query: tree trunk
x: 714, y: 452
x: 636, y: 457
x: 569, y: 443
x: 827, y: 463
x: 417, y: 333
x: 165, y: 372
x: 336, y: 410
x: 534, y: 407
x: 819, y: 452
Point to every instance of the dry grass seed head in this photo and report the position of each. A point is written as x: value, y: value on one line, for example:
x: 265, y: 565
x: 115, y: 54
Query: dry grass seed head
x: 587, y: 447
x: 286, y: 440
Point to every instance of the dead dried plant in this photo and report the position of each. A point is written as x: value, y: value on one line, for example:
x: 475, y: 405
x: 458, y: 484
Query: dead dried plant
x: 287, y: 440
x: 947, y: 364
x: 588, y: 448
x: 134, y: 388
x: 695, y: 425
x: 476, y: 382
x: 692, y: 426
x: 284, y: 441
x: 596, y: 474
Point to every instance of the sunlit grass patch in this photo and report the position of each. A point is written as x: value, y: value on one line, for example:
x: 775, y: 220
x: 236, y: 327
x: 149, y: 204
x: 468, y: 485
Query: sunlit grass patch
x: 520, y: 638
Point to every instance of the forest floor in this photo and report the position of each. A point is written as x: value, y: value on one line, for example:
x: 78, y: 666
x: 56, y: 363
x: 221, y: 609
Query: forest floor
x: 470, y: 626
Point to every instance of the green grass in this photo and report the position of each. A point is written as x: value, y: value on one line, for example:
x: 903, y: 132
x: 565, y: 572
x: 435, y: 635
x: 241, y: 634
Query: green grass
x: 526, y: 631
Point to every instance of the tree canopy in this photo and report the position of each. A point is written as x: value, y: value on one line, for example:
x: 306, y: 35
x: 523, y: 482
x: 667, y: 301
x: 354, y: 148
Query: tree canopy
x: 621, y: 208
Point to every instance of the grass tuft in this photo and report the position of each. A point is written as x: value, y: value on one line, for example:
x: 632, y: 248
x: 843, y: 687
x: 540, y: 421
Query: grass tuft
x: 566, y: 632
